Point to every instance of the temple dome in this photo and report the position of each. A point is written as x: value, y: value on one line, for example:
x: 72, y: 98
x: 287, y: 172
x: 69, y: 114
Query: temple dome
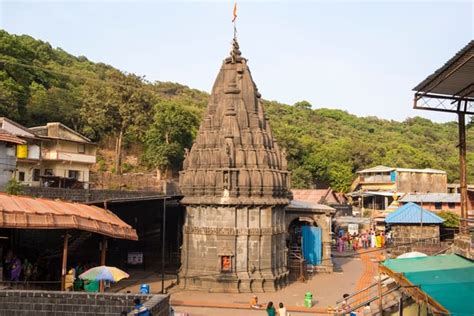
x: 235, y: 159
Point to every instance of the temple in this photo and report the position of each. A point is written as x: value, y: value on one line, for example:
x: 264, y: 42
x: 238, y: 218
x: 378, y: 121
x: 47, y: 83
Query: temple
x: 236, y: 187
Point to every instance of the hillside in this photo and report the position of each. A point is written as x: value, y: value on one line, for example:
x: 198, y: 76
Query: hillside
x: 154, y: 122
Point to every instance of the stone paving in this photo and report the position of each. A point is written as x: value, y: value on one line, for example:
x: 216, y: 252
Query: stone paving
x: 326, y: 289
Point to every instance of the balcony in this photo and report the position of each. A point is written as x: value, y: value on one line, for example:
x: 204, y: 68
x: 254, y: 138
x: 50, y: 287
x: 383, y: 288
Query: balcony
x: 376, y: 179
x: 67, y: 156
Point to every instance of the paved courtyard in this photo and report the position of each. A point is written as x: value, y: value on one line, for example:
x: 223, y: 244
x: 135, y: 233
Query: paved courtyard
x: 351, y: 274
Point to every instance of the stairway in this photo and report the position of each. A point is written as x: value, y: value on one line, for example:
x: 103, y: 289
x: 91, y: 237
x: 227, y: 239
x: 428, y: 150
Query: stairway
x: 369, y: 296
x: 295, y: 263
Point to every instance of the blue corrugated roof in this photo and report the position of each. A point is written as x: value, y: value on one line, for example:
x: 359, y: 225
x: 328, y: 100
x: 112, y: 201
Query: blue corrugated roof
x: 411, y: 213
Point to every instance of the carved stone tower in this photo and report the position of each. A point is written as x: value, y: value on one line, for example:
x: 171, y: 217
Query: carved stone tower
x: 236, y: 186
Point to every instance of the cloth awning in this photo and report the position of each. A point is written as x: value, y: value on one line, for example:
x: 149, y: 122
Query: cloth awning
x: 33, y: 213
x: 447, y: 280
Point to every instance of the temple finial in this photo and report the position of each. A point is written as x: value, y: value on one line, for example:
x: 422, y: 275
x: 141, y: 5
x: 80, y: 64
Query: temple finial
x: 235, y: 53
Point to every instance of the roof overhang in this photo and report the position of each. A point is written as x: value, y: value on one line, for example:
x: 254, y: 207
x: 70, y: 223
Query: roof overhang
x: 451, y: 87
x: 23, y: 212
x: 10, y: 138
x: 414, y: 290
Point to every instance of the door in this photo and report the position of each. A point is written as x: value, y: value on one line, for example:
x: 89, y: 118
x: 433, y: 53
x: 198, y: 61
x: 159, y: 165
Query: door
x: 311, y: 240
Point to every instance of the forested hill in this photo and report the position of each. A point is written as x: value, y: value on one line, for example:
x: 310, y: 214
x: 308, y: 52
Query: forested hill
x: 40, y: 84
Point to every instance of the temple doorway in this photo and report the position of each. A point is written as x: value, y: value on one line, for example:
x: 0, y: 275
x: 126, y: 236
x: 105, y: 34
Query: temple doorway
x: 304, y: 247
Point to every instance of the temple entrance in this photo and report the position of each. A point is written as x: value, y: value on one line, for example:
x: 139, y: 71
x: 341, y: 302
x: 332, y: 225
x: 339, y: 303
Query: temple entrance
x: 304, y: 248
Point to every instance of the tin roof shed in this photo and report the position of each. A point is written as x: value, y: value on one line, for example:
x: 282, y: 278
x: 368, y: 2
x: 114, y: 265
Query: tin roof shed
x: 412, y: 213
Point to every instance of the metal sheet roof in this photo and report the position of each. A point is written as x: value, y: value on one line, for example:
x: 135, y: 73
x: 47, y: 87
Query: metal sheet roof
x: 377, y: 169
x: 295, y: 204
x: 10, y: 138
x: 326, y: 196
x: 454, y: 78
x: 389, y: 169
x: 412, y: 213
x: 30, y: 213
x: 447, y: 279
x: 432, y: 198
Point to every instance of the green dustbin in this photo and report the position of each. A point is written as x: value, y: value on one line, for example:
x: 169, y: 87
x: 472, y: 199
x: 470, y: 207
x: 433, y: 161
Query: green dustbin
x: 308, y: 300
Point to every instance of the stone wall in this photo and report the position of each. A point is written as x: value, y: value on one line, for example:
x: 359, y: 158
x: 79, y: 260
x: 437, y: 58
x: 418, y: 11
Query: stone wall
x: 407, y: 238
x: 34, y: 303
x: 323, y: 220
x: 464, y: 245
x: 131, y: 181
x: 253, y: 238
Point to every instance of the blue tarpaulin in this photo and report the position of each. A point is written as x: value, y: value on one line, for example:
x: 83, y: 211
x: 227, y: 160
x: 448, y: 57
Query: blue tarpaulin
x: 312, y: 244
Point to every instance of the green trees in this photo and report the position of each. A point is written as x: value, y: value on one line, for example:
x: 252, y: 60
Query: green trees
x: 172, y: 130
x: 451, y: 219
x: 40, y: 84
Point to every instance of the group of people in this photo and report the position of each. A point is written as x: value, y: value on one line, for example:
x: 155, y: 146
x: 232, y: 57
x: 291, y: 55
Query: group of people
x: 74, y: 283
x: 16, y: 270
x: 364, y: 240
x: 270, y: 308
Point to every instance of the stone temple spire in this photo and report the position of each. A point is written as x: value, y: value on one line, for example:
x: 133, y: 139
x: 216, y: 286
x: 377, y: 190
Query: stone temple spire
x: 235, y: 185
x: 235, y: 52
x: 235, y: 158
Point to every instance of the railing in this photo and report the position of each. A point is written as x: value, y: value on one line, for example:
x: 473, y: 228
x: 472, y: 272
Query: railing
x: 372, y: 299
x: 62, y: 155
x: 354, y: 294
x: 361, y: 298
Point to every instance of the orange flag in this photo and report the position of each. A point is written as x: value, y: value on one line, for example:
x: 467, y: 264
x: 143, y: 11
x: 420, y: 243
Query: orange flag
x: 235, y: 12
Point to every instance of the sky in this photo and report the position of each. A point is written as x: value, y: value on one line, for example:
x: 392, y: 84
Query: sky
x: 362, y: 57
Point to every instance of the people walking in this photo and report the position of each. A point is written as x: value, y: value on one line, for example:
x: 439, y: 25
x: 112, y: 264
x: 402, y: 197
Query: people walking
x: 15, y: 269
x: 139, y: 308
x: 270, y: 309
x: 378, y: 240
x: 340, y: 244
x: 364, y: 240
x: 372, y: 239
x: 355, y: 242
x: 281, y: 310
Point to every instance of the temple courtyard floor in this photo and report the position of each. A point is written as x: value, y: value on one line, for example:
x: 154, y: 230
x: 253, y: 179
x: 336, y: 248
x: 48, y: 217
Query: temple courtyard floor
x: 351, y: 274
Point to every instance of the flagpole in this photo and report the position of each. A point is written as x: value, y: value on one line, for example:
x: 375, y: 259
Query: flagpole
x: 234, y: 20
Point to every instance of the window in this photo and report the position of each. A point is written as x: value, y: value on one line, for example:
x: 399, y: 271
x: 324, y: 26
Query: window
x: 48, y: 172
x: 438, y: 205
x: 36, y: 174
x: 226, y: 264
x: 75, y: 174
x: 21, y: 176
x: 451, y: 205
x: 81, y: 148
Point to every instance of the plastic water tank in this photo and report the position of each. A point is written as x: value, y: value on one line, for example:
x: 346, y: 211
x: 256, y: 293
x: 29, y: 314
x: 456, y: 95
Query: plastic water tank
x: 145, y: 289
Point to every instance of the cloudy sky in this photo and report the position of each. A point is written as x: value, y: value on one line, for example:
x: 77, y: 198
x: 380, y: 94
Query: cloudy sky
x: 363, y: 57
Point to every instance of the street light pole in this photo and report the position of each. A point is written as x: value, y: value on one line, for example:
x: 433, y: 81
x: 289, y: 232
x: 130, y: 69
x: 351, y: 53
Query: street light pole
x: 163, y: 248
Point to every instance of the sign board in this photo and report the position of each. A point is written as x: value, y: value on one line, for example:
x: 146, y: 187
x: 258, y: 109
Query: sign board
x: 135, y: 258
x: 353, y: 228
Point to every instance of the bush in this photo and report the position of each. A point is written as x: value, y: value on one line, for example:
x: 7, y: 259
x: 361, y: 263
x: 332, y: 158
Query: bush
x: 14, y: 187
x: 450, y: 219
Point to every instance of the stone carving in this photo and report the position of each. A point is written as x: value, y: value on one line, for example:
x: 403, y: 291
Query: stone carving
x: 235, y: 185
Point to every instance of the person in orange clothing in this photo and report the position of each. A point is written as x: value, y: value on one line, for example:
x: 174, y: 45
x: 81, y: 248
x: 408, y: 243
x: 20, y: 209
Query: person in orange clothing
x: 254, y: 303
